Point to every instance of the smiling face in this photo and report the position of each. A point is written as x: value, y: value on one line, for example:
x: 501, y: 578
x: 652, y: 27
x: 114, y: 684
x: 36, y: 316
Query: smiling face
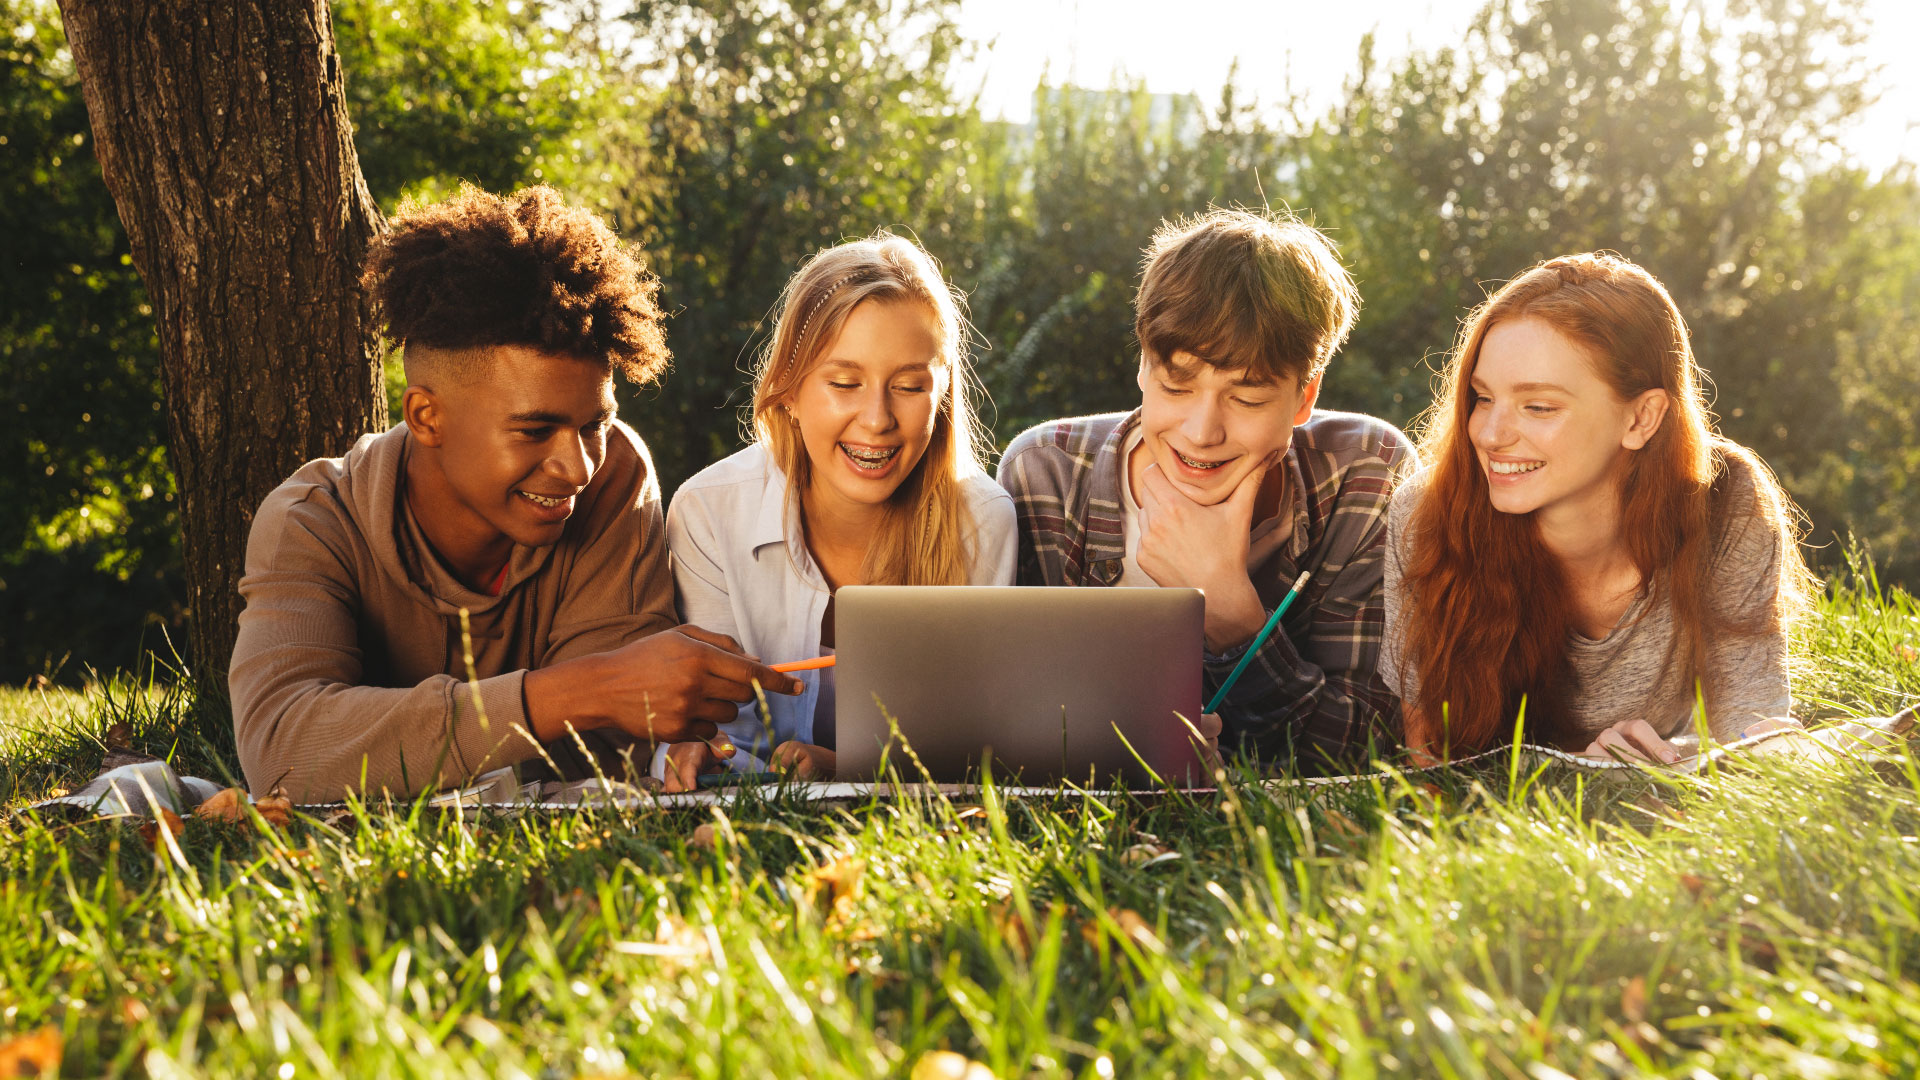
x: 515, y: 436
x: 1208, y: 427
x: 867, y: 408
x: 1550, y: 434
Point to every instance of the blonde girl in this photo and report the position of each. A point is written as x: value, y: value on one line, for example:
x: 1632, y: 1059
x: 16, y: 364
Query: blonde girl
x: 865, y: 468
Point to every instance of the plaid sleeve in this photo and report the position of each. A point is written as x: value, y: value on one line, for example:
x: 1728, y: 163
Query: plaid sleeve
x: 1038, y: 476
x: 1312, y: 692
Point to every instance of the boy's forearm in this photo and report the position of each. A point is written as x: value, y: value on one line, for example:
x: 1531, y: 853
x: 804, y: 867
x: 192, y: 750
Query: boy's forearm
x: 560, y: 698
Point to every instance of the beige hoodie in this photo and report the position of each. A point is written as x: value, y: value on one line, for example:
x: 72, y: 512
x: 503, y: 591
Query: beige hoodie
x: 349, y: 675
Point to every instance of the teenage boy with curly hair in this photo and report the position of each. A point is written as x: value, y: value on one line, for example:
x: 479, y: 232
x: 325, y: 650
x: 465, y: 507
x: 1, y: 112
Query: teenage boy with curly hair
x: 1227, y: 479
x: 510, y: 493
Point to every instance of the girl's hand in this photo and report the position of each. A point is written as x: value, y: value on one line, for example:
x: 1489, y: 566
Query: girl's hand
x: 805, y: 760
x: 686, y: 761
x: 1770, y: 724
x: 1633, y: 740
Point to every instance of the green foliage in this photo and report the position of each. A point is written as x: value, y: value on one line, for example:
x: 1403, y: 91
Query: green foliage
x: 442, y: 91
x: 1753, y: 920
x: 86, y: 501
x: 1703, y: 151
x: 1860, y: 654
x: 730, y: 139
x: 1859, y: 472
x: 1085, y: 188
x: 776, y: 131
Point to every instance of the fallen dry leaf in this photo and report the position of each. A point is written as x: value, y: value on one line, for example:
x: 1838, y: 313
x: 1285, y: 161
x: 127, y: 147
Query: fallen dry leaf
x: 133, y: 1012
x: 1012, y: 929
x: 1633, y: 1000
x: 834, y: 889
x: 677, y: 944
x: 37, y: 1054
x: 150, y: 830
x: 118, y: 736
x: 1131, y: 926
x: 276, y: 809
x: 1633, y: 1006
x: 229, y: 805
x: 1142, y: 854
x: 1654, y: 807
x: 702, y: 838
x: 1694, y: 884
x: 1755, y: 942
x: 1342, y: 824
x: 1135, y: 927
x: 947, y: 1065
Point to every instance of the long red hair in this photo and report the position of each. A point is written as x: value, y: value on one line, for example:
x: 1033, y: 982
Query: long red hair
x: 1488, y: 618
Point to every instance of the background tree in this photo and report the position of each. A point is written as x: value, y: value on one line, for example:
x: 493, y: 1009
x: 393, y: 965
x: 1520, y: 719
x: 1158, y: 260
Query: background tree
x: 223, y: 136
x: 777, y: 130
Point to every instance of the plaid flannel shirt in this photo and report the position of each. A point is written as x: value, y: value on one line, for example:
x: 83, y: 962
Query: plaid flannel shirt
x: 1311, y: 693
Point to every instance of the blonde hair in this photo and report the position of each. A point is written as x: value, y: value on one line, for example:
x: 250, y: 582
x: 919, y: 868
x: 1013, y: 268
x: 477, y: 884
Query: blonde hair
x: 927, y: 536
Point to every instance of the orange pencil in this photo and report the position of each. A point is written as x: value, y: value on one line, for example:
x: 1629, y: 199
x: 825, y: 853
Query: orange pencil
x: 804, y: 665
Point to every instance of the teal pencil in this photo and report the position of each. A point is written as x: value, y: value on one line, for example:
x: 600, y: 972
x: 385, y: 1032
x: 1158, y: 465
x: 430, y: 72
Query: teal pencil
x: 1259, y: 639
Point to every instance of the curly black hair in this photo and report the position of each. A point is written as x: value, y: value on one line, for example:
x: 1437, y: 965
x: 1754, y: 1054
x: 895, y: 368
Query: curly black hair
x: 478, y: 270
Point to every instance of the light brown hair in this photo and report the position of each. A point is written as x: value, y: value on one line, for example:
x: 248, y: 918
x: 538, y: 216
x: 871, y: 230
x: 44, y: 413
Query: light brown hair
x: 1488, y: 617
x: 1239, y: 289
x: 928, y: 533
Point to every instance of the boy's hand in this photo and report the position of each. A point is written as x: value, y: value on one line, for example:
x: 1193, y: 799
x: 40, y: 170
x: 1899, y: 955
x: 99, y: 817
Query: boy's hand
x: 667, y: 687
x: 1186, y: 545
x: 1210, y: 727
x: 807, y: 761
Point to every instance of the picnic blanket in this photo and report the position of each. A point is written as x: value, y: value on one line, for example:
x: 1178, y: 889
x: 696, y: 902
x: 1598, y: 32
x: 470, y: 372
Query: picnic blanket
x: 137, y: 789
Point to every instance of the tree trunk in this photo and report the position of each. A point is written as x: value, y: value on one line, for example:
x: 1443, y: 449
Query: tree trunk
x: 222, y: 132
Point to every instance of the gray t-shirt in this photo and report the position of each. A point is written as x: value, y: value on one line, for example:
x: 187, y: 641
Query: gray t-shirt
x: 1630, y: 673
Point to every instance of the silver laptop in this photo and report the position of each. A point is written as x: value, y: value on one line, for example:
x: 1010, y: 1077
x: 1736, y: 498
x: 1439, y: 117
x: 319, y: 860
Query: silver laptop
x: 1051, y: 684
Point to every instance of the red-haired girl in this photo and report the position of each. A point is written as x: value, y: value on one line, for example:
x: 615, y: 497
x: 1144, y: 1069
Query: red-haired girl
x: 1581, y: 540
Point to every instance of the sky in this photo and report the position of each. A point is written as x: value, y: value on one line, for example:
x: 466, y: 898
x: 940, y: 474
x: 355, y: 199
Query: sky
x: 1311, y: 47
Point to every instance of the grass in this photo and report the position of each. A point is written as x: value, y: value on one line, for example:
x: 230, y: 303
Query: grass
x: 1759, y: 921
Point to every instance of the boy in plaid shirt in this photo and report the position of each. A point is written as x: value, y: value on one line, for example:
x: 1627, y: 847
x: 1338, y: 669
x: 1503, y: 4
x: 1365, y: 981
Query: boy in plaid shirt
x: 1228, y: 480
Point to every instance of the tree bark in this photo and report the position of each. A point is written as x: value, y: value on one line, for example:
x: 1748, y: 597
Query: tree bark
x: 222, y: 132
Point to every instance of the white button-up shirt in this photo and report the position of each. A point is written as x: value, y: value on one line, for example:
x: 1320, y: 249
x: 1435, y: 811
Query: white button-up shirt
x: 741, y: 568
